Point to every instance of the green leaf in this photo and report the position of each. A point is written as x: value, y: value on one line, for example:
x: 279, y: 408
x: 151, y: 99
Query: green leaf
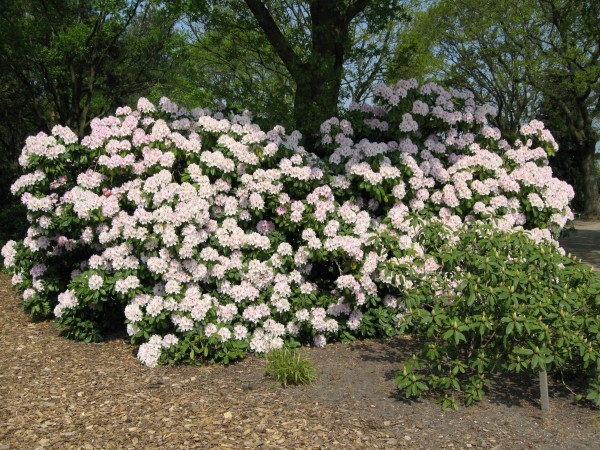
x: 510, y: 327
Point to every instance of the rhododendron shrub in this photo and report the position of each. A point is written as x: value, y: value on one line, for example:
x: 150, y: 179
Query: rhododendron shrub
x: 506, y: 304
x: 211, y: 238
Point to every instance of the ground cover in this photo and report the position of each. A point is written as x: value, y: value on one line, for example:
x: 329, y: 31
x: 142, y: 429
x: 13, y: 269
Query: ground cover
x: 57, y: 393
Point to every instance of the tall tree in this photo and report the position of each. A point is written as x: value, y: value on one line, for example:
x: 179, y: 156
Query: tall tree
x: 233, y: 62
x: 415, y: 55
x: 318, y: 75
x: 461, y: 44
x: 374, y: 37
x: 560, y: 40
x: 321, y: 50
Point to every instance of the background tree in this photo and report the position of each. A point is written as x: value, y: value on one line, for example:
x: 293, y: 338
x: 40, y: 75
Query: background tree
x: 76, y: 59
x: 233, y: 62
x: 375, y: 35
x: 414, y: 55
x: 313, y: 52
x: 67, y: 61
x: 465, y: 35
x: 560, y: 40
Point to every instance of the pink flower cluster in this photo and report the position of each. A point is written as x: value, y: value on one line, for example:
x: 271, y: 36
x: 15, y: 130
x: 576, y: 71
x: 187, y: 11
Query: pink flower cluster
x: 209, y: 228
x: 475, y: 176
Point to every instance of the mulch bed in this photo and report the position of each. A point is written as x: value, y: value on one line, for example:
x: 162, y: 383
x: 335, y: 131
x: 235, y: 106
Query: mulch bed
x: 56, y: 393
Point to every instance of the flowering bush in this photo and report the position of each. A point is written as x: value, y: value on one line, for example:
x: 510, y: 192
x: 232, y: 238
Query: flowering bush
x: 211, y: 238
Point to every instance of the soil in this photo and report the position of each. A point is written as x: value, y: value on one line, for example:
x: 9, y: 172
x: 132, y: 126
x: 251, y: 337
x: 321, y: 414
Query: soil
x: 61, y: 394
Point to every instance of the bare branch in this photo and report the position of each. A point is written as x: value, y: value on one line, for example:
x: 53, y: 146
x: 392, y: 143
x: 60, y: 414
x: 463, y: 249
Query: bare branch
x: 275, y: 37
x: 355, y: 8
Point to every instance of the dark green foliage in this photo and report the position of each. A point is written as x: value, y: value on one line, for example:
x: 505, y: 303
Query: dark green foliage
x: 13, y: 222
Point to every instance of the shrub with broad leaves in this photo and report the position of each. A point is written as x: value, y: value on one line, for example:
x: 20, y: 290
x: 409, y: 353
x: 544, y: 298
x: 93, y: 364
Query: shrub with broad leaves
x: 211, y: 238
x: 506, y: 304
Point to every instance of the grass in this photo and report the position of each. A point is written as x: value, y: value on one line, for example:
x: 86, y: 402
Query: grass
x: 288, y: 366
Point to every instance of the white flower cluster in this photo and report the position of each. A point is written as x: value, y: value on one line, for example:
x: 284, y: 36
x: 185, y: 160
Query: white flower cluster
x: 210, y: 229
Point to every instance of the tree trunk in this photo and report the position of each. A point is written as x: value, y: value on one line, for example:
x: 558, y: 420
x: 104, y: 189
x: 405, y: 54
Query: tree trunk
x: 319, y: 78
x: 314, y: 102
x: 587, y: 162
x: 318, y: 87
x: 316, y: 97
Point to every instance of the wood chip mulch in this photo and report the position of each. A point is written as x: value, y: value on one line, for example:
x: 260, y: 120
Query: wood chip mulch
x: 56, y: 393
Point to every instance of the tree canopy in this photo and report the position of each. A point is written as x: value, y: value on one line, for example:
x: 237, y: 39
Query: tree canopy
x: 71, y: 60
x: 300, y: 59
x: 299, y: 62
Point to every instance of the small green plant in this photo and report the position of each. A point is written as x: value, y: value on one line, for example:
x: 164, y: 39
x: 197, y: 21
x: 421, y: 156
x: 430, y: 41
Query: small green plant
x: 514, y: 305
x: 288, y: 366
